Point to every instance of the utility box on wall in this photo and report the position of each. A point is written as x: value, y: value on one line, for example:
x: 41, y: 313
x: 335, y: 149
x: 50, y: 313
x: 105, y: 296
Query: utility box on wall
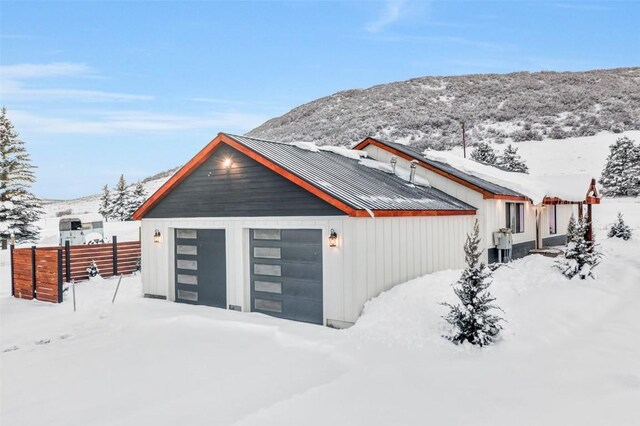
x: 503, y: 239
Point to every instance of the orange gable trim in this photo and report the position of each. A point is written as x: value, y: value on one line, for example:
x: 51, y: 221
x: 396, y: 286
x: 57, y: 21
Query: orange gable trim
x: 208, y: 150
x: 485, y: 194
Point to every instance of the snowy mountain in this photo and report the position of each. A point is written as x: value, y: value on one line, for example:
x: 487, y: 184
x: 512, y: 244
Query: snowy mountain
x: 427, y: 111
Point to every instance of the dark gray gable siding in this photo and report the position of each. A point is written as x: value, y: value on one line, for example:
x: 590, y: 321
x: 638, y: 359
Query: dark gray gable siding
x: 246, y: 189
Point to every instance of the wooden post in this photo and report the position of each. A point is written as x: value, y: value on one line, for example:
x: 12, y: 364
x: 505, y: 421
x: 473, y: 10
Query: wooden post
x: 13, y: 284
x: 579, y: 211
x: 59, y: 275
x: 33, y: 271
x: 67, y: 260
x: 589, y: 224
x: 115, y: 255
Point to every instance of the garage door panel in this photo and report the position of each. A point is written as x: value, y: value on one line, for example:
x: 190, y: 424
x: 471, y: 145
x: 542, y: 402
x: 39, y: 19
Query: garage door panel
x: 289, y: 307
x: 286, y: 273
x: 301, y: 253
x: 302, y: 271
x: 200, y: 264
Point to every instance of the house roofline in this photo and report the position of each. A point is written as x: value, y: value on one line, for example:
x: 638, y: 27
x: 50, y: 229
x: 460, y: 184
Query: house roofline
x: 485, y: 193
x: 222, y: 138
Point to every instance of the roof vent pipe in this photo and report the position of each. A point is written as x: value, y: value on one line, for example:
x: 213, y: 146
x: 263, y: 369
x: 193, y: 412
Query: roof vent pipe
x: 412, y: 174
x: 394, y: 161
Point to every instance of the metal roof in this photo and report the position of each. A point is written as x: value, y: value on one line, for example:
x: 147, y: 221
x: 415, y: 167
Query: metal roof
x: 480, y: 183
x: 359, y: 186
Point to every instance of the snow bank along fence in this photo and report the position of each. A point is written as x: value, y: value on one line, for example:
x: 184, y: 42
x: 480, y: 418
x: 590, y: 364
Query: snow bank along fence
x: 39, y: 272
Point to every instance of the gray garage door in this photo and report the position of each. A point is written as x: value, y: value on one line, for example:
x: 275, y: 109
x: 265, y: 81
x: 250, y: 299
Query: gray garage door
x: 286, y: 273
x: 201, y: 274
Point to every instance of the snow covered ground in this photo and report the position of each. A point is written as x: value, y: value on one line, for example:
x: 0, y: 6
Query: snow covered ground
x: 569, y: 353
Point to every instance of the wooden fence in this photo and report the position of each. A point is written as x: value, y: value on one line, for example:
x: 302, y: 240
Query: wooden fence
x: 39, y: 272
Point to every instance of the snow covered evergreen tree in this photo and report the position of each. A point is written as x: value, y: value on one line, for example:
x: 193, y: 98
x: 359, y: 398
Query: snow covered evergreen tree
x: 571, y: 229
x: 120, y: 199
x: 510, y: 160
x: 93, y: 270
x: 483, y: 153
x: 471, y: 319
x: 620, y: 229
x: 19, y: 208
x: 137, y: 198
x: 105, y: 203
x: 621, y: 174
x: 580, y: 256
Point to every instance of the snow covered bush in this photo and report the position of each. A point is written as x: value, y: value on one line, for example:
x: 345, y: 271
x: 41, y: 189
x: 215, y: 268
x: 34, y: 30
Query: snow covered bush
x: 471, y: 319
x: 620, y: 229
x: 93, y: 270
x: 483, y: 153
x: 580, y: 256
x: 621, y: 174
x: 510, y: 160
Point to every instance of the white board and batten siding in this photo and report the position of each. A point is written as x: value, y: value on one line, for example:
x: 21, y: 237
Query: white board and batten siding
x: 448, y: 186
x: 372, y: 255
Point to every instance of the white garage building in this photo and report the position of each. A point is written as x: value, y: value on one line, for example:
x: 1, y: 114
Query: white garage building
x: 308, y: 233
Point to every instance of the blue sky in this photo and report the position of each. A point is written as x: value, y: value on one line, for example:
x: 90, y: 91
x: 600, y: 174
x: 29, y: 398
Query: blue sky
x: 103, y: 88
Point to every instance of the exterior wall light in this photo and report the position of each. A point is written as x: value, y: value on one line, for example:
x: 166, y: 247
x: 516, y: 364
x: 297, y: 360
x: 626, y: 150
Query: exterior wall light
x: 157, y: 237
x: 226, y: 163
x: 333, y: 239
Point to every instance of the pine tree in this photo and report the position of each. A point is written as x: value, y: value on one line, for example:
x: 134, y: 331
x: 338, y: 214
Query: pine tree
x: 571, y: 229
x: 120, y: 200
x: 483, y: 153
x: 471, y: 319
x: 19, y: 208
x: 105, y: 203
x: 621, y: 174
x: 620, y: 229
x: 137, y: 198
x: 510, y: 160
x: 580, y: 256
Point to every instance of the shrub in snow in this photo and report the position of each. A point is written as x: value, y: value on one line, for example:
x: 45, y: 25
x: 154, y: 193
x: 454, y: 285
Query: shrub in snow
x: 620, y: 229
x: 471, y: 319
x: 138, y: 263
x: 580, y: 256
x: 510, y: 160
x: 19, y: 208
x: 93, y: 270
x: 621, y: 174
x: 483, y: 153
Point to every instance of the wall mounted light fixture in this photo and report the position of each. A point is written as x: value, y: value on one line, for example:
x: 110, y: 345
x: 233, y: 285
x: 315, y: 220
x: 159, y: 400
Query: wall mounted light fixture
x: 157, y: 237
x: 333, y: 239
x: 226, y: 163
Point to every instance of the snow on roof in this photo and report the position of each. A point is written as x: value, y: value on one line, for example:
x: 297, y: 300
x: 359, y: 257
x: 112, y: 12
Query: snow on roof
x: 401, y: 172
x: 536, y: 187
x: 354, y: 154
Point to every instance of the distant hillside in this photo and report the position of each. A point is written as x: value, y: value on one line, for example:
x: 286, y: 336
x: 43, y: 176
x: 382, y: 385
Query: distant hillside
x: 427, y: 111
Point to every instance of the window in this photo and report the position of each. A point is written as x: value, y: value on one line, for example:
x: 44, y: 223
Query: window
x: 551, y: 216
x: 515, y: 217
x: 266, y: 234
